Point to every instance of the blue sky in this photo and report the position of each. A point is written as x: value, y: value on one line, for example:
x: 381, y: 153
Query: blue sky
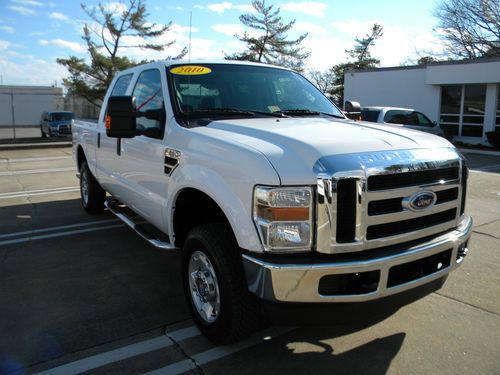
x: 33, y: 33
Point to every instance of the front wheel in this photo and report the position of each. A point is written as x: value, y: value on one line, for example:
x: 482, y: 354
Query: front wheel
x: 215, y: 285
x: 44, y: 135
x: 92, y: 194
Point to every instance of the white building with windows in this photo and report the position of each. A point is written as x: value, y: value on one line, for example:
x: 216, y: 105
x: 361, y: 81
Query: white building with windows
x: 462, y: 96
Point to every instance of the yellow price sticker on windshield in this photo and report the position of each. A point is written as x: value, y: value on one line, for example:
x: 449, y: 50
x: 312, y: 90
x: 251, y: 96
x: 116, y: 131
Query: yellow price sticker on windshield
x: 190, y: 70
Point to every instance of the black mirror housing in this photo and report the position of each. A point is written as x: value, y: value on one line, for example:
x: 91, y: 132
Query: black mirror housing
x: 121, y: 117
x: 352, y: 110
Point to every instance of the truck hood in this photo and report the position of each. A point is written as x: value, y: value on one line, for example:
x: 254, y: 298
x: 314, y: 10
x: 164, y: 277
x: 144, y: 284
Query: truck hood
x: 294, y: 145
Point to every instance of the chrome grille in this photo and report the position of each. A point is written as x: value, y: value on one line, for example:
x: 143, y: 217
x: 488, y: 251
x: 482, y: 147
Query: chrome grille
x: 367, y: 207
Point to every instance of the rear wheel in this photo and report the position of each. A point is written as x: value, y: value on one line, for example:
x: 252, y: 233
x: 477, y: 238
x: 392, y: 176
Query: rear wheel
x: 92, y: 194
x: 215, y: 285
x: 44, y: 135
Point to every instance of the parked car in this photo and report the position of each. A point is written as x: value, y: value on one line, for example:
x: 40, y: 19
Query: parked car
x: 408, y: 118
x: 273, y: 198
x: 56, y: 124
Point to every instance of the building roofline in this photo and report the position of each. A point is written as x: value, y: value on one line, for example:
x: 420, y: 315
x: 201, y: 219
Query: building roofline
x: 481, y: 60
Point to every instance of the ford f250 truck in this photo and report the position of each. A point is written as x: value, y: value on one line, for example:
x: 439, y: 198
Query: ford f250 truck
x: 271, y: 194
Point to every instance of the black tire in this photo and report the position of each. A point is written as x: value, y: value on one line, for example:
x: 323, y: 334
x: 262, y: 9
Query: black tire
x: 50, y: 133
x: 239, y: 313
x: 92, y: 194
x: 43, y: 133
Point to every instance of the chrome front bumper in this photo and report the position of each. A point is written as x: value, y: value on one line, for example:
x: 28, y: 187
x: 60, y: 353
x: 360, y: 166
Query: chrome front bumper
x: 299, y: 282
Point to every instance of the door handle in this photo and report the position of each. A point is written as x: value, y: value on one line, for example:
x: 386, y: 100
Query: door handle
x: 98, y: 140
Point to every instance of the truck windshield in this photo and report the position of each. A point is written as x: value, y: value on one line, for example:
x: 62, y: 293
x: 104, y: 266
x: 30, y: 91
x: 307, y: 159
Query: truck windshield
x: 65, y: 116
x: 229, y: 90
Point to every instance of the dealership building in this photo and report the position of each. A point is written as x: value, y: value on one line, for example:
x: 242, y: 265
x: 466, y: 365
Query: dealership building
x: 462, y: 96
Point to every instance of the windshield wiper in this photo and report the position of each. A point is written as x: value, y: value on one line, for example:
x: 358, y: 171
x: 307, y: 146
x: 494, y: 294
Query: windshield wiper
x: 222, y: 111
x: 308, y: 112
x: 234, y: 112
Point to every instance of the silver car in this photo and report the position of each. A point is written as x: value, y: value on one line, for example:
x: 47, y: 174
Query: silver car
x: 408, y: 118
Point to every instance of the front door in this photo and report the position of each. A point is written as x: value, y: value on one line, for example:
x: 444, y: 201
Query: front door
x: 142, y: 158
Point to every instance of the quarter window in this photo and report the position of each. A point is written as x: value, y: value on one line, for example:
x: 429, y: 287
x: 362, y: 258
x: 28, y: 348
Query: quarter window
x: 148, y: 95
x: 121, y: 85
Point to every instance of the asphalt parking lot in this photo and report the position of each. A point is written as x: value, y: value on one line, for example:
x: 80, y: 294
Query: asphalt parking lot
x: 82, y: 293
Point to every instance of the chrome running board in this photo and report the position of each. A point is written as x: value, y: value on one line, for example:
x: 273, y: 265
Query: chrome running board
x: 146, y: 230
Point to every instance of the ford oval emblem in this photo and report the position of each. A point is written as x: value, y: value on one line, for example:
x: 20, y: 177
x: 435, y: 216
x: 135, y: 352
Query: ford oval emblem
x: 420, y: 201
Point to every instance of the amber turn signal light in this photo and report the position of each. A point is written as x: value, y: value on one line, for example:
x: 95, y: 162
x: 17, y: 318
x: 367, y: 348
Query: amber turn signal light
x: 107, y: 123
x: 283, y: 213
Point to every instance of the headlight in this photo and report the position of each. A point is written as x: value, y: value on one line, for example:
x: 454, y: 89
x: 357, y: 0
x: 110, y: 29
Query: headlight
x: 283, y: 218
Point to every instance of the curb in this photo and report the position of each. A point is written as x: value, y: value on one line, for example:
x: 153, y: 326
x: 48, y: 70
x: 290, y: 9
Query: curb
x: 479, y: 152
x: 22, y: 146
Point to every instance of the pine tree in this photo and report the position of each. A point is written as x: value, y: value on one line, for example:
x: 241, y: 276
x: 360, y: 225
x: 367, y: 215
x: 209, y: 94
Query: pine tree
x: 104, y: 43
x: 272, y: 45
x: 360, y: 59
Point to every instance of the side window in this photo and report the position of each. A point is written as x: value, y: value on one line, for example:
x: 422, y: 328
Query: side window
x: 423, y: 120
x: 148, y: 95
x: 370, y: 115
x: 121, y: 85
x: 396, y: 117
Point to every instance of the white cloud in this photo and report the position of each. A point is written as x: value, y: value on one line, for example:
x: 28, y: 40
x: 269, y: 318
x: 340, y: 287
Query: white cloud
x: 198, y: 6
x: 228, y: 29
x: 59, y: 16
x: 355, y: 27
x: 33, y: 3
x: 220, y: 7
x: 245, y: 8
x: 22, y: 10
x: 310, y: 28
x: 175, y: 7
x: 61, y: 43
x: 311, y: 8
x: 36, y: 33
x: 115, y: 7
x: 179, y: 29
x: 7, y: 29
x: 74, y: 46
x: 4, y: 45
x: 31, y: 72
x: 52, y: 4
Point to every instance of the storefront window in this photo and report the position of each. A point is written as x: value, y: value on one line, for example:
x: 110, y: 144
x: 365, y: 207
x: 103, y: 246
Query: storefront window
x: 462, y: 110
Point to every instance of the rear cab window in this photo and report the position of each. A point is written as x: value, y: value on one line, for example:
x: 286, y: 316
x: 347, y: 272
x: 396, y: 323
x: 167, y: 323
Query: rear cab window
x: 370, y: 115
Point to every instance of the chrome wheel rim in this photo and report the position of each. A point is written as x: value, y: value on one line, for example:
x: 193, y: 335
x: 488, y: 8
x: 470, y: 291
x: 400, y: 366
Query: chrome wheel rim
x: 204, y: 287
x: 84, y: 187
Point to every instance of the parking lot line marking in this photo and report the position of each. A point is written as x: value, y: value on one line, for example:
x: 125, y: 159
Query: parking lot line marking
x: 52, y: 229
x: 59, y: 234
x: 106, y: 358
x: 488, y: 167
x: 219, y: 352
x: 30, y: 193
x: 24, y: 160
x: 35, y: 171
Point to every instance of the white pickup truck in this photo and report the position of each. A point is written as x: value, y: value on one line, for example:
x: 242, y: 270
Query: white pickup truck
x: 269, y: 192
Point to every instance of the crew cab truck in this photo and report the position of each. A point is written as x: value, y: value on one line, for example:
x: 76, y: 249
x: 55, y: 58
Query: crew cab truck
x: 271, y: 194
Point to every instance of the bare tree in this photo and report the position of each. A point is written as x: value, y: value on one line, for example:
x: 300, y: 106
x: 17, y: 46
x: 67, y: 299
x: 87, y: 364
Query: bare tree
x: 470, y: 28
x: 323, y: 80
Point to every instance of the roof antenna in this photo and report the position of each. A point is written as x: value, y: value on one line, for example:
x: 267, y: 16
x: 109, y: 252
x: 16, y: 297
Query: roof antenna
x: 190, y: 27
